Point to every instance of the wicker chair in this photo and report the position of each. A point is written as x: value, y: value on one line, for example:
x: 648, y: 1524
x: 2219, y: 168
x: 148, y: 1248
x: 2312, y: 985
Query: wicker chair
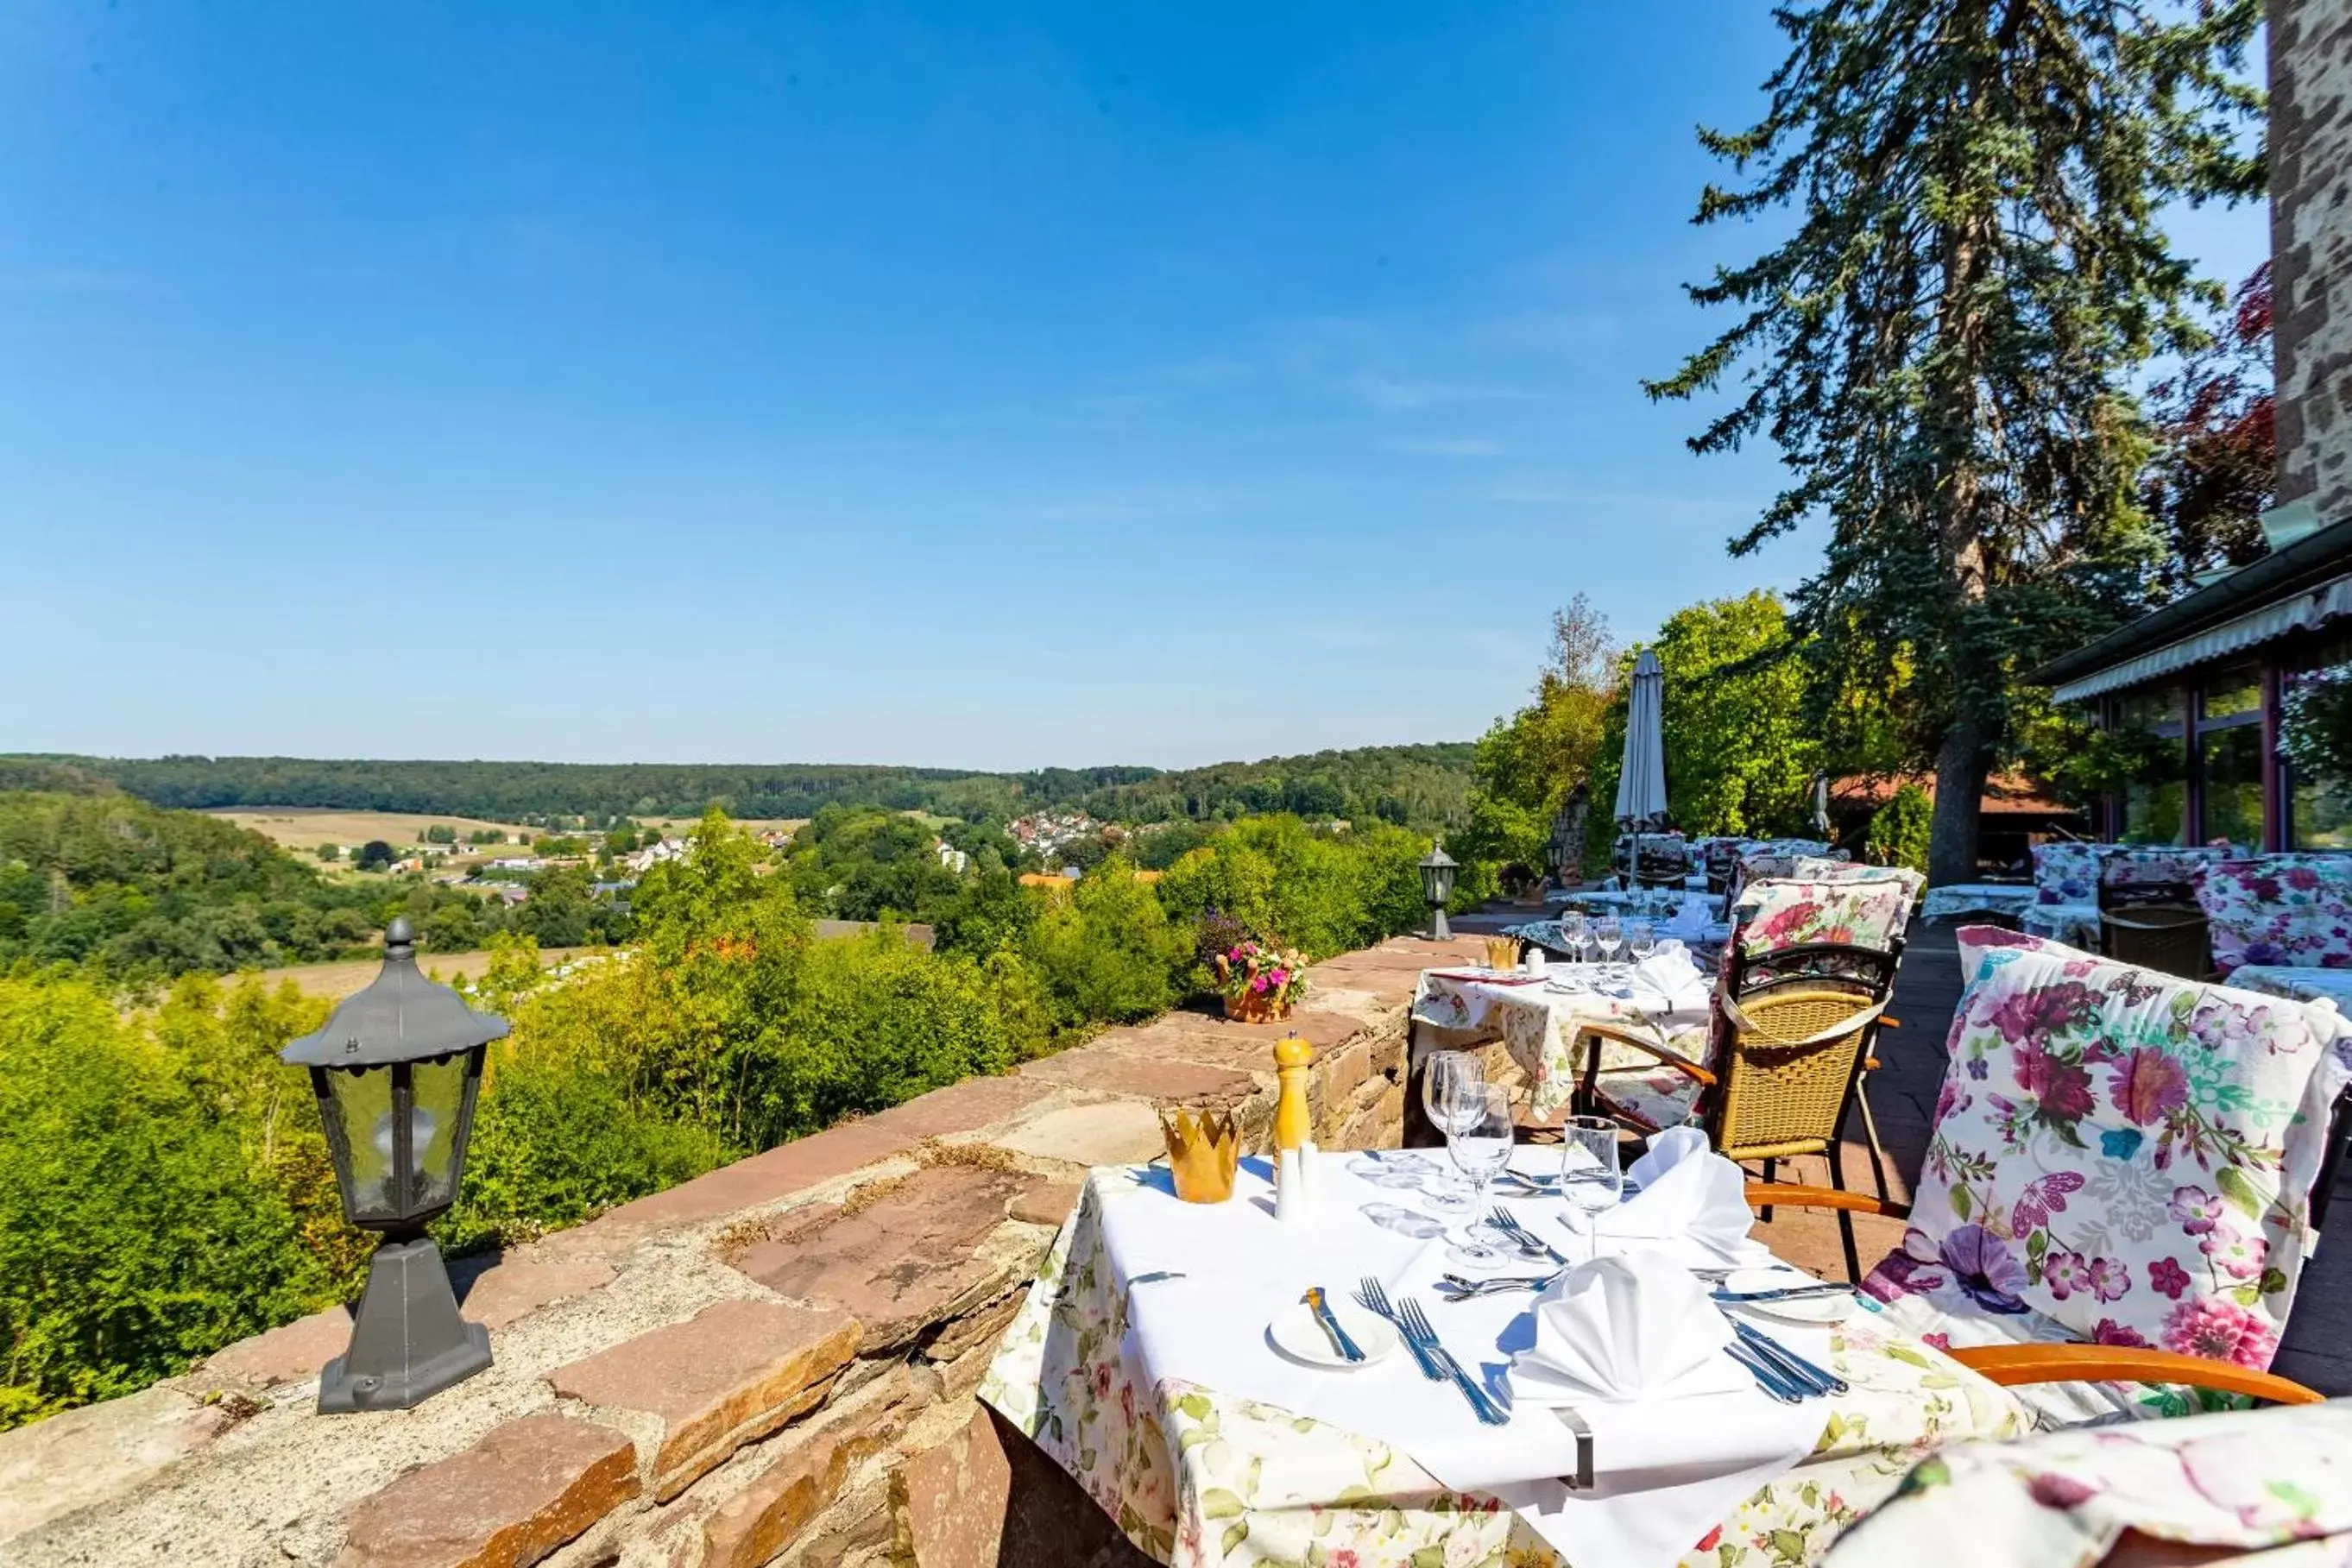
x: 1789, y: 1051
x: 2163, y: 937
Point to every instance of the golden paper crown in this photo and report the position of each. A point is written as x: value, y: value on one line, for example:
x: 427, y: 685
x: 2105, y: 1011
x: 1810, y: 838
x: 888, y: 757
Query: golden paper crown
x: 1203, y: 1149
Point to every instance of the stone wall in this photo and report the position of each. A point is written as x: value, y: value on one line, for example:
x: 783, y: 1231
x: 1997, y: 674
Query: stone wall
x: 774, y: 1362
x: 2311, y: 248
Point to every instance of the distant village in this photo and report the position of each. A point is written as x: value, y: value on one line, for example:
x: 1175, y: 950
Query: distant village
x: 621, y: 855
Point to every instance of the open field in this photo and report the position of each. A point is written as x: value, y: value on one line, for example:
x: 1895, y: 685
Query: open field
x: 679, y: 827
x: 338, y: 981
x: 304, y: 828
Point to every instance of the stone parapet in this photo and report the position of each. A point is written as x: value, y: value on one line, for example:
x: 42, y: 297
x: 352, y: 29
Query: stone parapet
x: 773, y: 1363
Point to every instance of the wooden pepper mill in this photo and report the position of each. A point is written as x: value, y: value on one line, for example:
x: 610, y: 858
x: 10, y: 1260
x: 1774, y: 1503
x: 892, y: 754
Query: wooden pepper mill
x: 1293, y: 1128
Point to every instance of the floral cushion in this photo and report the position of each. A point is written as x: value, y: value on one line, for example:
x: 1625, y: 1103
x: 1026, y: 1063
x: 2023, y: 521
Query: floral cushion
x: 2294, y: 910
x: 2119, y: 1156
x: 2242, y: 1483
x: 2067, y: 872
x: 1657, y: 1096
x: 2124, y: 868
x: 1871, y: 911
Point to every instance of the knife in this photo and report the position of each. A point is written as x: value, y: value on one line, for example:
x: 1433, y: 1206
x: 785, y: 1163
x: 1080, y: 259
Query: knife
x: 1785, y: 1294
x: 1322, y: 1311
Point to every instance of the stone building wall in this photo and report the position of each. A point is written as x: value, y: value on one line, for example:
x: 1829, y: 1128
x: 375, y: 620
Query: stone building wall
x: 773, y: 1363
x: 2311, y: 247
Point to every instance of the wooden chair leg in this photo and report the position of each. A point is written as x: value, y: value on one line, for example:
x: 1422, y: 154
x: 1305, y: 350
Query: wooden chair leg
x: 1765, y: 1214
x: 1845, y: 1217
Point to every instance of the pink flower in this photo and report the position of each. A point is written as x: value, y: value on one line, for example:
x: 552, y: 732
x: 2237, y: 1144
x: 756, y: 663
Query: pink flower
x: 1258, y: 984
x: 2148, y: 1085
x: 2110, y: 1332
x: 2109, y: 1277
x: 2058, y: 1492
x: 1281, y: 976
x: 2064, y: 1088
x: 2195, y: 1208
x: 2167, y: 1277
x: 1341, y: 1557
x: 2066, y: 1272
x: 2219, y: 1330
x: 2239, y: 1255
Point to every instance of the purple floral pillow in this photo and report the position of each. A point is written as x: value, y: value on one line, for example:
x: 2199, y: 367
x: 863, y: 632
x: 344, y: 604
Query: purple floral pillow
x: 2126, y: 1153
x: 2066, y: 873
x: 2294, y: 910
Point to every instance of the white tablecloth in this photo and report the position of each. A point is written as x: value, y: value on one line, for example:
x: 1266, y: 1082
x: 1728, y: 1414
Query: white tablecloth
x: 2305, y: 985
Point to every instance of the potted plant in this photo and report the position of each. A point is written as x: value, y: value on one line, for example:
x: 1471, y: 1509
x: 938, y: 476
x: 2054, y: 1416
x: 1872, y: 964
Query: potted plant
x: 1260, y: 983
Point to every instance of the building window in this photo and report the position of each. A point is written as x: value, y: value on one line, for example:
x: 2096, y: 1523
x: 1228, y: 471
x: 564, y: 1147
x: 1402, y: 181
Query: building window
x: 2228, y: 756
x: 2154, y: 807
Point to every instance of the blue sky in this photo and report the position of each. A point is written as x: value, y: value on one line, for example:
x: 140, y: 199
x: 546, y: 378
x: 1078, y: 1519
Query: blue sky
x: 991, y: 385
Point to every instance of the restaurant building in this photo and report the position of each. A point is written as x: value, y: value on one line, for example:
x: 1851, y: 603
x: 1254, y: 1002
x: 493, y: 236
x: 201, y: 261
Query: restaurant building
x: 2205, y: 673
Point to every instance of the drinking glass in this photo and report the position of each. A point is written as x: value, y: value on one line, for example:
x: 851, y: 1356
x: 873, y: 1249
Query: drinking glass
x: 1478, y: 1137
x: 1578, y: 935
x: 1589, y: 1176
x: 1641, y: 939
x: 1609, y: 934
x: 1447, y: 1080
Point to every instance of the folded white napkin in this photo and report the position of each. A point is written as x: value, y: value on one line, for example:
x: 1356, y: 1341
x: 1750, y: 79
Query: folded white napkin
x: 1692, y: 919
x: 1668, y: 971
x: 1637, y: 1327
x: 1687, y: 1190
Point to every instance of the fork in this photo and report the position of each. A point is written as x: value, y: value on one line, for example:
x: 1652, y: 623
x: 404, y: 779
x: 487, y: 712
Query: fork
x: 1529, y: 1243
x: 1374, y: 1299
x: 1415, y: 1324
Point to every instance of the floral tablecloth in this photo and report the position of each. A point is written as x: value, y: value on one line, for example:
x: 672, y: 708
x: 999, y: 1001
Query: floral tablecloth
x: 2009, y: 898
x: 2076, y: 925
x: 2304, y: 985
x: 1537, y: 1025
x: 1201, y: 1479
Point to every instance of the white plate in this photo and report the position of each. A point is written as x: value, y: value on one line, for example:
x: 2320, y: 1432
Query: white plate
x: 1824, y: 1309
x: 1297, y: 1334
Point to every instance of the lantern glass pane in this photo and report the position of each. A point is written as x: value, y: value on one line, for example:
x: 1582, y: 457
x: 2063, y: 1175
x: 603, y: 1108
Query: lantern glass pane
x: 363, y: 1105
x: 437, y: 1091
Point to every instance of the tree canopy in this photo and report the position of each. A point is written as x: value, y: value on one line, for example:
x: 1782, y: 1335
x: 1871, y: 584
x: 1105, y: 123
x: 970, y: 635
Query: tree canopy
x: 1943, y: 345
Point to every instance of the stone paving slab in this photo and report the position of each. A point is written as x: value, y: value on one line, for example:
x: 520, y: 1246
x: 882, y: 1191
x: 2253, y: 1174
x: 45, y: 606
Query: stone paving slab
x: 732, y: 1373
x: 527, y: 1487
x: 902, y: 1261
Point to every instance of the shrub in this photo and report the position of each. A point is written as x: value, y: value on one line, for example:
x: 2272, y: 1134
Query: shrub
x: 1898, y: 829
x: 1108, y: 954
x: 134, y: 1236
x: 556, y: 1142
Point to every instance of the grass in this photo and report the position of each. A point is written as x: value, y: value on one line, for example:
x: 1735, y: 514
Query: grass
x: 303, y: 829
x: 340, y: 979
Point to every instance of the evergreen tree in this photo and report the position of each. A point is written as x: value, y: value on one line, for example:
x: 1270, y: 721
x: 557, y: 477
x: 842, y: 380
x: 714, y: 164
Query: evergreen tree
x: 1941, y: 347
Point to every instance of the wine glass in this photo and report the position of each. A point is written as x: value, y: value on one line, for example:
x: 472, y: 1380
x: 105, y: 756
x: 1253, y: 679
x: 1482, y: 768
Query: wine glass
x: 1588, y: 1174
x: 1641, y: 939
x: 1446, y: 1079
x: 1576, y: 935
x: 1609, y: 934
x: 1478, y: 1137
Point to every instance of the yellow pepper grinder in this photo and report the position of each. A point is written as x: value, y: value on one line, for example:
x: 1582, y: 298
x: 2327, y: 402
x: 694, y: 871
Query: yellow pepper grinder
x: 1291, y: 1127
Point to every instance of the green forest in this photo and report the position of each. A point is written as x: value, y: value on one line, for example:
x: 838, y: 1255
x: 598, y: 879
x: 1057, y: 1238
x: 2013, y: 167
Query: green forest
x: 164, y: 1185
x: 1415, y: 786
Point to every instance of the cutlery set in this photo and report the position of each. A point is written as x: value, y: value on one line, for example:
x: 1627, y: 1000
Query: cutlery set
x: 1436, y: 1363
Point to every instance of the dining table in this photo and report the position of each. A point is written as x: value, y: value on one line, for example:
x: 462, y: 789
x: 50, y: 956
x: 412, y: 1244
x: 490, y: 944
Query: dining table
x: 1539, y: 1017
x: 1147, y: 1360
x: 2302, y: 982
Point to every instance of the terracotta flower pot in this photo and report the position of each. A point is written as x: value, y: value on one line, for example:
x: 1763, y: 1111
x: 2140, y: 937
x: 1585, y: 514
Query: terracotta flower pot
x: 1252, y: 1007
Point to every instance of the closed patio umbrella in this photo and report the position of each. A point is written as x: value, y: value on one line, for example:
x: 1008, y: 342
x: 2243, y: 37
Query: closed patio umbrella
x: 1641, y: 785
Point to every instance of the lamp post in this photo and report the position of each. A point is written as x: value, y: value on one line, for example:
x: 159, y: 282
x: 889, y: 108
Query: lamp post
x: 396, y: 1070
x: 1437, y: 869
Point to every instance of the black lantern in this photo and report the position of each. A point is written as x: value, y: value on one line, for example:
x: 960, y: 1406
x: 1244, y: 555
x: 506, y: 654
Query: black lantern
x: 396, y: 1069
x: 1437, y: 869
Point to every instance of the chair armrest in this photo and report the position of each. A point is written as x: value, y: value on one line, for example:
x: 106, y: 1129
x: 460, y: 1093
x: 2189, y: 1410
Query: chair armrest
x: 1777, y: 1194
x: 1598, y: 1033
x: 2010, y: 1365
